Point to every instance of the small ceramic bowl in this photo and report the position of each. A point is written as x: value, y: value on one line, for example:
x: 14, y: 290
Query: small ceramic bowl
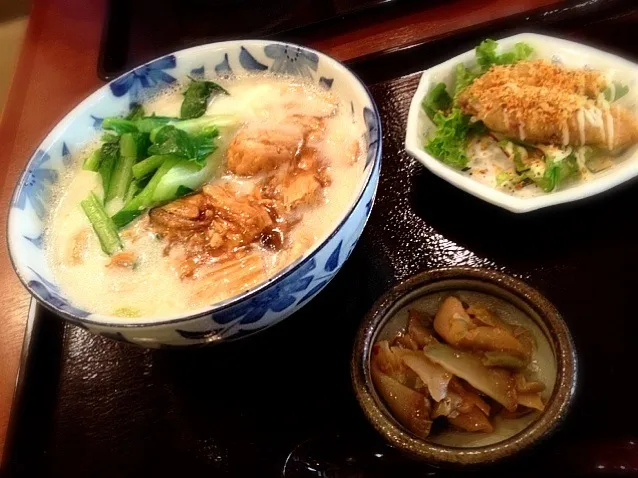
x: 514, y: 301
x: 236, y: 317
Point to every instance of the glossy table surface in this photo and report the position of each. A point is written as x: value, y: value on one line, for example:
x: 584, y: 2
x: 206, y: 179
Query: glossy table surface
x: 57, y: 68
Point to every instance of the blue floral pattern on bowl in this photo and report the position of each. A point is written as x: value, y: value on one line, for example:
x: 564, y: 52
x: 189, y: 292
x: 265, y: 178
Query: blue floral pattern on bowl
x: 292, y: 60
x: 146, y: 77
x: 235, y: 318
x: 52, y: 296
x: 36, y: 185
x: 223, y: 67
x: 277, y: 299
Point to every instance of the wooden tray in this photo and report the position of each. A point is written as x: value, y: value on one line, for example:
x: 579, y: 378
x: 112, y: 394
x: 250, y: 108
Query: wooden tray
x: 87, y: 406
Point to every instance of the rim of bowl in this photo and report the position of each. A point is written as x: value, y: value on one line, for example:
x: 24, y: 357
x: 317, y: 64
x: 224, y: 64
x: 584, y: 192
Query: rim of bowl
x: 393, y: 432
x: 231, y: 301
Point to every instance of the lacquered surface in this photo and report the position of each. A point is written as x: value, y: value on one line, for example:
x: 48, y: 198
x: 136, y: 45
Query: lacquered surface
x: 57, y: 69
x: 241, y: 409
x: 130, y: 37
x: 346, y: 29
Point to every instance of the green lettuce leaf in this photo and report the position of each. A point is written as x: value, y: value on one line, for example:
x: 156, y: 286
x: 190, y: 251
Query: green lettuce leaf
x: 486, y: 55
x: 616, y: 93
x: 463, y: 78
x: 449, y: 140
x: 556, y: 173
x: 436, y: 100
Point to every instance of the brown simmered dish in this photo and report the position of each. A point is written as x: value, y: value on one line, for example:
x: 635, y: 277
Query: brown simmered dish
x: 460, y: 368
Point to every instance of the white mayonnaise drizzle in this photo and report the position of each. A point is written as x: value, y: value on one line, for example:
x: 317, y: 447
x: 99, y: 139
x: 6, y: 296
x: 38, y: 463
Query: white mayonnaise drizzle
x: 580, y: 119
x: 610, y: 130
x: 580, y: 160
x: 565, y: 133
x: 606, y: 107
x: 521, y: 131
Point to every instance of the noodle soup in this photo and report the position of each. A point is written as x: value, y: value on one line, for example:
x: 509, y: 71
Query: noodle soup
x: 276, y: 163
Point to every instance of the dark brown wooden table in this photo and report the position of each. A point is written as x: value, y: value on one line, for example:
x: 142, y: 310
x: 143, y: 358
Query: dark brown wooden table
x: 57, y: 68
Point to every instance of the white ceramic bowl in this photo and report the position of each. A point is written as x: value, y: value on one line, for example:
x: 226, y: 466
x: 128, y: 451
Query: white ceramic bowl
x: 561, y: 51
x: 250, y: 312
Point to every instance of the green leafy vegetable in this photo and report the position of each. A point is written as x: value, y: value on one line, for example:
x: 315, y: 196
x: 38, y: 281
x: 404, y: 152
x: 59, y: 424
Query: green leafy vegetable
x: 522, y: 51
x: 142, y: 143
x: 148, y: 160
x: 486, y: 55
x: 144, y: 199
x: 437, y: 100
x: 183, y: 191
x: 109, y: 155
x: 174, y: 141
x: 519, y: 164
x: 102, y: 224
x: 618, y: 91
x: 516, y: 152
x: 199, y: 125
x: 137, y: 112
x: 110, y: 138
x: 595, y: 159
x: 556, y: 173
x: 128, y: 145
x: 144, y: 124
x: 119, y: 125
x: 448, y: 142
x: 148, y: 165
x: 185, y: 174
x: 505, y: 177
x: 121, y: 178
x: 92, y: 162
x: 123, y: 170
x: 463, y: 78
x: 133, y: 189
x: 196, y: 98
x: 174, y: 178
x: 149, y: 123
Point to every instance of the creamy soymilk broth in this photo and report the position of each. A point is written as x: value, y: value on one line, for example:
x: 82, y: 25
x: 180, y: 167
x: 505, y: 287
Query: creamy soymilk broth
x: 153, y: 287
